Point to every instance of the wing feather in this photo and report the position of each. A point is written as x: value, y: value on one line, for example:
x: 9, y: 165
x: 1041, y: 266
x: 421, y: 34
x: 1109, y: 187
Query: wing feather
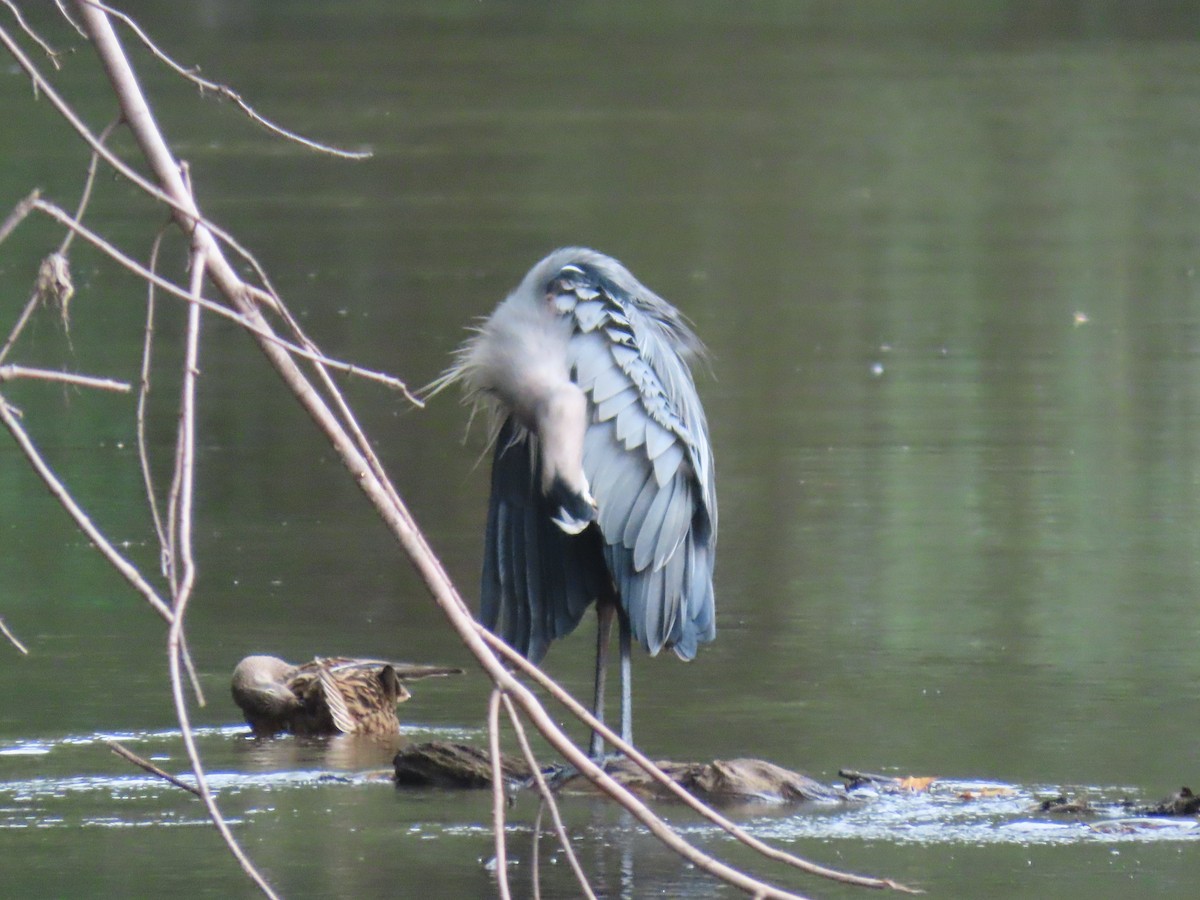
x: 616, y: 404
x: 667, y: 463
x: 537, y: 580
x: 331, y: 693
x: 631, y: 426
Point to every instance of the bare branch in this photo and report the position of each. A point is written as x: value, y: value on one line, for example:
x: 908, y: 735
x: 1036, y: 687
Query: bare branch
x: 535, y: 864
x: 33, y: 35
x: 205, y: 239
x: 187, y: 215
x: 143, y: 399
x: 11, y: 221
x: 586, y: 717
x: 547, y: 800
x: 66, y: 14
x: 179, y: 498
x: 119, y: 562
x: 226, y: 92
x: 185, y: 462
x: 182, y: 543
x: 19, y: 212
x: 639, y: 810
x: 54, y: 276
x: 89, y: 181
x: 259, y: 329
x: 19, y: 326
x: 11, y: 373
x: 126, y: 753
x: 191, y: 217
x: 12, y: 638
x: 498, y: 795
x: 190, y: 668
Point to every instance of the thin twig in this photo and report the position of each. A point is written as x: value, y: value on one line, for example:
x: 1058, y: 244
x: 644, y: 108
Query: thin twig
x: 224, y: 312
x: 228, y: 93
x: 19, y: 326
x: 187, y: 468
x: 585, y: 716
x: 395, y: 514
x: 66, y: 14
x: 12, y: 638
x: 11, y: 373
x: 10, y: 421
x: 190, y: 668
x: 188, y: 215
x: 535, y: 863
x: 499, y: 798
x: 587, y: 767
x: 126, y: 753
x: 60, y: 255
x: 33, y: 35
x: 18, y: 214
x: 183, y: 548
x: 179, y: 496
x: 166, y: 562
x: 191, y: 215
x: 14, y: 218
x: 547, y: 801
x: 85, y: 196
x: 143, y: 399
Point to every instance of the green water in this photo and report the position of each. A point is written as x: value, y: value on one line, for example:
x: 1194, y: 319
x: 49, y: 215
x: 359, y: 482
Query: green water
x: 945, y: 262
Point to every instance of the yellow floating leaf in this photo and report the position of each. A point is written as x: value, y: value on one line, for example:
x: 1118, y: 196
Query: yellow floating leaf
x: 984, y: 793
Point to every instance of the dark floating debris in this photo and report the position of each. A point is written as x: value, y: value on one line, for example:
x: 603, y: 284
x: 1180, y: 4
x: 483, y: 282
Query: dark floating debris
x: 1062, y: 805
x: 889, y: 784
x: 449, y: 765
x: 1182, y: 803
x: 720, y: 781
x: 442, y: 764
x: 755, y: 781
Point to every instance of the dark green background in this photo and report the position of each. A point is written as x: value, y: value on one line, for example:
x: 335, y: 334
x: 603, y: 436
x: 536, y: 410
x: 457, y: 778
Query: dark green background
x: 959, y: 527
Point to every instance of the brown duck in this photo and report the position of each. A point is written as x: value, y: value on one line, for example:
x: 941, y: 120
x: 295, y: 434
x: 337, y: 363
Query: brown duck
x: 329, y: 695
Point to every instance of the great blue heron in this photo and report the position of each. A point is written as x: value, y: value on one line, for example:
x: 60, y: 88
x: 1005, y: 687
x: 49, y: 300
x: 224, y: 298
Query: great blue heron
x: 602, y: 476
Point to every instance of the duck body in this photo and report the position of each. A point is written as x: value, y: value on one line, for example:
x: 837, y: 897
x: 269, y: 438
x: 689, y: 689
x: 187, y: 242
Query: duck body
x: 325, y: 696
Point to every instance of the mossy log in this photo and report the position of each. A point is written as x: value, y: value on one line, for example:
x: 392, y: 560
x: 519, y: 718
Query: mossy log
x: 441, y: 764
x: 449, y: 765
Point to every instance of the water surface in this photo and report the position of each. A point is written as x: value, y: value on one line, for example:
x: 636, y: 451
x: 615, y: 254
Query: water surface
x: 945, y: 262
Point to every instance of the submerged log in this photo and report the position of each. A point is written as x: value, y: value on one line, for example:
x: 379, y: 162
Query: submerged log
x: 447, y: 765
x: 1182, y: 803
x: 719, y: 781
x: 441, y: 764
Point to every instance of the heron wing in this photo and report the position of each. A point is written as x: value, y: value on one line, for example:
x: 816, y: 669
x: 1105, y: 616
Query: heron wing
x: 537, y: 580
x: 646, y: 456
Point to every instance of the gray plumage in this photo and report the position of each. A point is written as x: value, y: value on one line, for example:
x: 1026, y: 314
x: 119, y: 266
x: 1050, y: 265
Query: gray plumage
x: 602, y: 476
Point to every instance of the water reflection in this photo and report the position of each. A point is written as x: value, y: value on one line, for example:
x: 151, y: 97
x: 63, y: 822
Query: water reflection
x: 340, y: 753
x: 945, y: 258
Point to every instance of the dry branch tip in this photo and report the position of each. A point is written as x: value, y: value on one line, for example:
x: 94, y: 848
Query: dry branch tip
x: 12, y: 638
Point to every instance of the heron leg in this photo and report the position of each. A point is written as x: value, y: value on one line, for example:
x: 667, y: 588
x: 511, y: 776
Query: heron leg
x: 625, y: 642
x: 604, y: 617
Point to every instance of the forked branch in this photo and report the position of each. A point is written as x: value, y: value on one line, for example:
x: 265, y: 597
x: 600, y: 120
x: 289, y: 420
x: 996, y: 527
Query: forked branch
x: 244, y: 304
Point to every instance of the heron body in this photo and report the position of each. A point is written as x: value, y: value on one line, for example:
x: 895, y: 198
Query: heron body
x: 602, y: 477
x: 328, y: 695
